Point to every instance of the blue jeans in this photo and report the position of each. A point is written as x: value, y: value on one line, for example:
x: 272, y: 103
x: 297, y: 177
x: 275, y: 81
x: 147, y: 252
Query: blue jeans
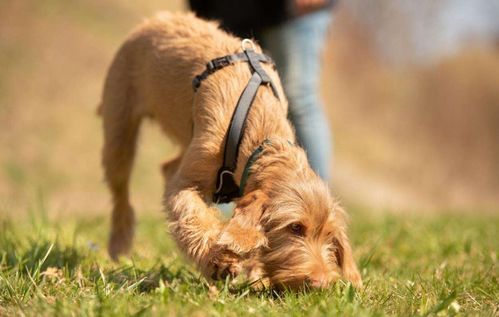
x: 296, y: 47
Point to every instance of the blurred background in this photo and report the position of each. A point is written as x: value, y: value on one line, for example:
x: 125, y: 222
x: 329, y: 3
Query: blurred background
x: 411, y: 88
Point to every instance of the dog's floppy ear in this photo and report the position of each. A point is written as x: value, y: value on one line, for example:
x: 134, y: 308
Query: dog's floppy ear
x: 249, y: 209
x: 344, y: 258
x: 243, y: 233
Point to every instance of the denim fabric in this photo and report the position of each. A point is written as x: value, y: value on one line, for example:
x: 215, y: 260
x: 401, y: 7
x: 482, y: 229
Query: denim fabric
x: 296, y: 47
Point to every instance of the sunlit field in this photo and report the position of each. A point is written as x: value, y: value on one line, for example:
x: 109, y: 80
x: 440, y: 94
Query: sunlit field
x: 416, y: 165
x: 415, y: 265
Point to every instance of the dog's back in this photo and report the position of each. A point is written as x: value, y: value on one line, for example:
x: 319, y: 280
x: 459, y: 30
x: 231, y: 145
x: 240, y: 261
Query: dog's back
x: 152, y: 73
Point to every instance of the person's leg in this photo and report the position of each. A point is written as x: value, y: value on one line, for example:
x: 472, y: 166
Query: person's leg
x: 296, y: 46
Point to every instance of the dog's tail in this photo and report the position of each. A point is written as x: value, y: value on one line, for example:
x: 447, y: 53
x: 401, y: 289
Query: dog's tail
x: 121, y: 124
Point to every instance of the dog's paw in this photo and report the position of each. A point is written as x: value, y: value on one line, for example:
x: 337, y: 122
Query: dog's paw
x: 225, y: 263
x: 122, y: 232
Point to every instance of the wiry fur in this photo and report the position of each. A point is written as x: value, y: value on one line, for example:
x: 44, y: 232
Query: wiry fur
x: 151, y: 77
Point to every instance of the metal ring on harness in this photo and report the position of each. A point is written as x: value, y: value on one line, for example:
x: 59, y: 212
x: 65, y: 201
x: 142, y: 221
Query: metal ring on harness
x: 244, y: 45
x: 221, y: 179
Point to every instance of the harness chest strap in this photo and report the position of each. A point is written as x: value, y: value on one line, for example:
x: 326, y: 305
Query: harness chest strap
x: 226, y: 187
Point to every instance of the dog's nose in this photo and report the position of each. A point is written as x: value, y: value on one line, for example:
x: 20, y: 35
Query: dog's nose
x: 319, y: 281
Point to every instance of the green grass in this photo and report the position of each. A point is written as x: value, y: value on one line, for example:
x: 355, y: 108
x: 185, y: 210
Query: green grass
x: 412, y: 265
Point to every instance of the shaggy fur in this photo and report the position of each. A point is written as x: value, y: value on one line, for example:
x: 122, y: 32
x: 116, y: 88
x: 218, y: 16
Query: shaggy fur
x: 286, y: 226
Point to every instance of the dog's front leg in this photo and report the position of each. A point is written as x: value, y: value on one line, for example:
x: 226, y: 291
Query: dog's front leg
x: 196, y: 227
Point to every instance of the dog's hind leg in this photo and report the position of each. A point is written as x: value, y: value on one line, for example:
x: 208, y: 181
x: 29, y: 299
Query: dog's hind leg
x: 118, y: 160
x: 121, y: 127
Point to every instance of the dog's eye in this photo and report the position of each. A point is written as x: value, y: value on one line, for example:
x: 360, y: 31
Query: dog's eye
x: 297, y: 229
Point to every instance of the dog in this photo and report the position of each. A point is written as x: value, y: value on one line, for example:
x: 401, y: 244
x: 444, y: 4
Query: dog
x: 285, y: 224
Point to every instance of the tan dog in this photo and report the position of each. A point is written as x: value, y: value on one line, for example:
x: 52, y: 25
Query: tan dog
x: 286, y: 222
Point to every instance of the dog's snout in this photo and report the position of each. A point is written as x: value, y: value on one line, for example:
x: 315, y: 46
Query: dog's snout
x: 317, y: 281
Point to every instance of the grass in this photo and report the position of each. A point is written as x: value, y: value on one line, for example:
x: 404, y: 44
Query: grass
x: 412, y: 265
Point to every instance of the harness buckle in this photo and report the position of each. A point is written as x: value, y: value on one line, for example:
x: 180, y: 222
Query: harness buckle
x: 217, y: 63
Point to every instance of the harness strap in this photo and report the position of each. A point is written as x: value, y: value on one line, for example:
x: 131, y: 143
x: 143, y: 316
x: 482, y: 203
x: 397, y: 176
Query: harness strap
x: 238, y: 121
x: 226, y: 187
x: 221, y: 62
x: 251, y: 160
x: 253, y: 59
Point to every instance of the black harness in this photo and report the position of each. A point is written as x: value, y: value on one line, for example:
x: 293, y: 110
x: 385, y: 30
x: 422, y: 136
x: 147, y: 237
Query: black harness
x: 226, y: 187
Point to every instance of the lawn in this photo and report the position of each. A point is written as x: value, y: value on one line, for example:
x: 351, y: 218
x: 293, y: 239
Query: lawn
x: 411, y: 264
x: 54, y: 56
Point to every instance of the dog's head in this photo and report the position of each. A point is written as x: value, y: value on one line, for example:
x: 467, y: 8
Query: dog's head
x: 301, y: 235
